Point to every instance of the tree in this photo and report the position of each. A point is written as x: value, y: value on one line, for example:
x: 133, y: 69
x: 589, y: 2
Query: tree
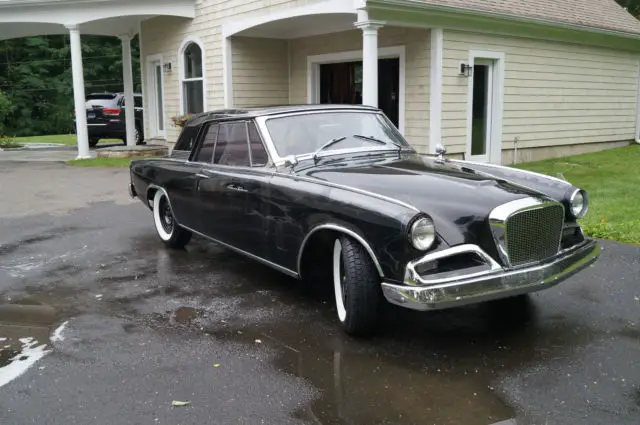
x: 633, y: 6
x: 35, y: 74
x: 5, y: 110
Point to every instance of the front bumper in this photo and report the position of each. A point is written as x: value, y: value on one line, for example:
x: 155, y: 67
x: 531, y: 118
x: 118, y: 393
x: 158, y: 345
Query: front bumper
x: 493, y: 284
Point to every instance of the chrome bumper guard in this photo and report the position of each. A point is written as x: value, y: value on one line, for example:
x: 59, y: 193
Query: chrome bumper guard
x: 494, y: 283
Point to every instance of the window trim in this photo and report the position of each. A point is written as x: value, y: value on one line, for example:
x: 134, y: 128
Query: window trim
x: 181, y: 79
x: 203, y: 133
x: 200, y: 139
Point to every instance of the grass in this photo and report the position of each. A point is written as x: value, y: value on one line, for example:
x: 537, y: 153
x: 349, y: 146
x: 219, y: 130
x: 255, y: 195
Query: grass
x: 612, y: 180
x: 104, y: 162
x: 63, y: 139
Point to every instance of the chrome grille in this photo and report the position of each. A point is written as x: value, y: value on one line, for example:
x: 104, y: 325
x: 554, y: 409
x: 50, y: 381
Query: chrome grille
x: 534, y: 234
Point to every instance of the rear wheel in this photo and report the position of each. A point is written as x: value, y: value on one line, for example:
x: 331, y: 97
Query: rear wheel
x: 139, y: 136
x: 356, y: 286
x: 167, y: 228
x: 93, y: 142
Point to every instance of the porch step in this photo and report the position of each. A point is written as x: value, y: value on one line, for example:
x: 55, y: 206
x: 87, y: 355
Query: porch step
x: 130, y: 151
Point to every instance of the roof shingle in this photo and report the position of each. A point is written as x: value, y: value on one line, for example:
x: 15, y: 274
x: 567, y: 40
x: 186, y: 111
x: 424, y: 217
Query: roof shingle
x: 602, y: 14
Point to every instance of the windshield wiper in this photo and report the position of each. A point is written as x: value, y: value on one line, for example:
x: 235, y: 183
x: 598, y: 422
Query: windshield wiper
x: 325, y: 146
x: 382, y: 142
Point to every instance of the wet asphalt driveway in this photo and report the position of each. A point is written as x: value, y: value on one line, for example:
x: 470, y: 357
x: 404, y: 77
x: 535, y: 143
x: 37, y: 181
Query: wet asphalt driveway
x: 99, y: 324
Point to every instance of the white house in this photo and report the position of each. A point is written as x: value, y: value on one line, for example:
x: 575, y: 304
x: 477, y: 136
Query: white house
x: 485, y: 78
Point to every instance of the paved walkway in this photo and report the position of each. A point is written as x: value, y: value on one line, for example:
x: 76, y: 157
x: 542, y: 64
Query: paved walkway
x: 47, y: 187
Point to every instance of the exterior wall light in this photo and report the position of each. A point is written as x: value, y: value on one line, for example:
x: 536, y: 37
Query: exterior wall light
x: 466, y: 70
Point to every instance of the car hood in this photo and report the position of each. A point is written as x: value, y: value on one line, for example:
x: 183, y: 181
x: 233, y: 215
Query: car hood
x: 458, y: 198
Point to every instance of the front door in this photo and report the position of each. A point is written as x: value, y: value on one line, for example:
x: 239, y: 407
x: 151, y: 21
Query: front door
x: 231, y: 189
x: 341, y: 83
x: 155, y: 95
x: 485, y: 126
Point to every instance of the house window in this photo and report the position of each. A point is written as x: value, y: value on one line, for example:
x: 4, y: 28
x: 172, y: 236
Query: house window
x: 192, y: 83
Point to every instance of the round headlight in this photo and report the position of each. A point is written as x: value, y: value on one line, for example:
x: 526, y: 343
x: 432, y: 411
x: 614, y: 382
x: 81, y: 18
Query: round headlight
x: 422, y: 234
x: 579, y: 204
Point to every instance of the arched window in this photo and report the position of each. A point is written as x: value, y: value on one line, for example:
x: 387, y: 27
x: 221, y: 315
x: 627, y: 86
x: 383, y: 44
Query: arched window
x: 192, y: 84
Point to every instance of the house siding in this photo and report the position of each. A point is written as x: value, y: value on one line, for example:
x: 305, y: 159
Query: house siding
x: 164, y: 35
x: 260, y: 71
x: 417, y: 54
x: 555, y: 93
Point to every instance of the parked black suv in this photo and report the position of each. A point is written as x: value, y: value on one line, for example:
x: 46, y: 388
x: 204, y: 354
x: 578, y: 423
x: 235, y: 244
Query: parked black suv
x: 106, y: 117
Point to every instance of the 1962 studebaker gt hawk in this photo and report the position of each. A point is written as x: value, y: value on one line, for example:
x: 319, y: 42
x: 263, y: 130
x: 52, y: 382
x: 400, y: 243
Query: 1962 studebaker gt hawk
x: 334, y: 193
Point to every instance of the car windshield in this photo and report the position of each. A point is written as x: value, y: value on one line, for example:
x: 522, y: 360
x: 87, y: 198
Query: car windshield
x: 302, y: 134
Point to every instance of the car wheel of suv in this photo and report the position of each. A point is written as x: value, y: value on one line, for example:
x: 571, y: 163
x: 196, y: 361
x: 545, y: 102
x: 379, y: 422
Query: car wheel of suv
x: 167, y: 228
x: 356, y: 285
x: 93, y: 142
x: 139, y: 136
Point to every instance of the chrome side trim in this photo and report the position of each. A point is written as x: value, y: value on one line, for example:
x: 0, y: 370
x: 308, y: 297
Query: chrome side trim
x: 501, y: 284
x: 499, y: 216
x: 414, y: 279
x: 349, y: 188
x: 245, y: 253
x: 342, y: 229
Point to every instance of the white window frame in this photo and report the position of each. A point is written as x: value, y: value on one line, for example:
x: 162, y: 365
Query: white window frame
x: 181, y: 80
x: 494, y: 150
x: 313, y: 74
x: 151, y: 97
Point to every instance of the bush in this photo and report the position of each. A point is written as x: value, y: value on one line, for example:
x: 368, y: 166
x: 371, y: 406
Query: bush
x: 5, y: 110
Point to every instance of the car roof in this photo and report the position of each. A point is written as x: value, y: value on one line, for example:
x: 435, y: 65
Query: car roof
x: 260, y: 111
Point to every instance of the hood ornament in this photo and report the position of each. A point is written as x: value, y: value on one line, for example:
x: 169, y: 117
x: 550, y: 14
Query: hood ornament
x: 441, y: 150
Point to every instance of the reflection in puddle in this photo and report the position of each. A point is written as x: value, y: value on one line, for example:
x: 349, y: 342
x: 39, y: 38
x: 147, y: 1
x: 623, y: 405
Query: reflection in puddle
x: 184, y: 315
x: 27, y: 356
x: 24, y: 337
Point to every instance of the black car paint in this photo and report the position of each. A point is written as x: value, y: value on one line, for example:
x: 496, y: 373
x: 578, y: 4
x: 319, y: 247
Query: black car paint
x: 269, y: 212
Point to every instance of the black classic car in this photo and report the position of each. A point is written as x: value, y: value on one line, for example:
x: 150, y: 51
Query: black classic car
x: 335, y: 194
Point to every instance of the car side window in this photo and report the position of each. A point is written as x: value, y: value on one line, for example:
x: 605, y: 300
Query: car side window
x: 232, y: 147
x: 205, y: 153
x: 259, y: 156
x: 187, y: 138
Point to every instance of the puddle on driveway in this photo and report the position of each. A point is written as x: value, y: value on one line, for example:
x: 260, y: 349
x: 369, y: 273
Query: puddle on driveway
x: 24, y: 337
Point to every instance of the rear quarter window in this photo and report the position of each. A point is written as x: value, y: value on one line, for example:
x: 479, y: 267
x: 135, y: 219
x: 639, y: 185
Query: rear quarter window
x: 187, y: 138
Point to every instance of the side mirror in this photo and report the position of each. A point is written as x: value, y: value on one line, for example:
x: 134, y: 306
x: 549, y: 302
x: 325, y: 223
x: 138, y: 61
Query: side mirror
x: 290, y: 161
x: 441, y: 151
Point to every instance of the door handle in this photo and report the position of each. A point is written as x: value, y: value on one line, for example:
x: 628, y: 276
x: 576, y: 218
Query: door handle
x: 202, y: 176
x: 236, y: 187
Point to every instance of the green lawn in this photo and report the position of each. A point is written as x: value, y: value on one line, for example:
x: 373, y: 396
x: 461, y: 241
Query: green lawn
x: 104, y: 162
x: 612, y: 179
x: 64, y: 139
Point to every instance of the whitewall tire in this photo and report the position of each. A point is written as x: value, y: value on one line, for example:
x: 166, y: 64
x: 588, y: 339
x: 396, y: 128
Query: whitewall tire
x: 167, y: 228
x: 356, y: 285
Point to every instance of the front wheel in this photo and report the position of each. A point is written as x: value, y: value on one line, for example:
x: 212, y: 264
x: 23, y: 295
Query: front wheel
x: 167, y: 228
x: 356, y: 285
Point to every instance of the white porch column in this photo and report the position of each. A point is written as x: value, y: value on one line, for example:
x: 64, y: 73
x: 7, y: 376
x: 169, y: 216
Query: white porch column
x: 435, y: 77
x: 370, y: 61
x: 127, y: 72
x: 78, y: 92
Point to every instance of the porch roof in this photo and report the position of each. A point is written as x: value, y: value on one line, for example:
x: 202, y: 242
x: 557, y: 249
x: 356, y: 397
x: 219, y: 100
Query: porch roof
x: 24, y: 18
x: 597, y: 14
